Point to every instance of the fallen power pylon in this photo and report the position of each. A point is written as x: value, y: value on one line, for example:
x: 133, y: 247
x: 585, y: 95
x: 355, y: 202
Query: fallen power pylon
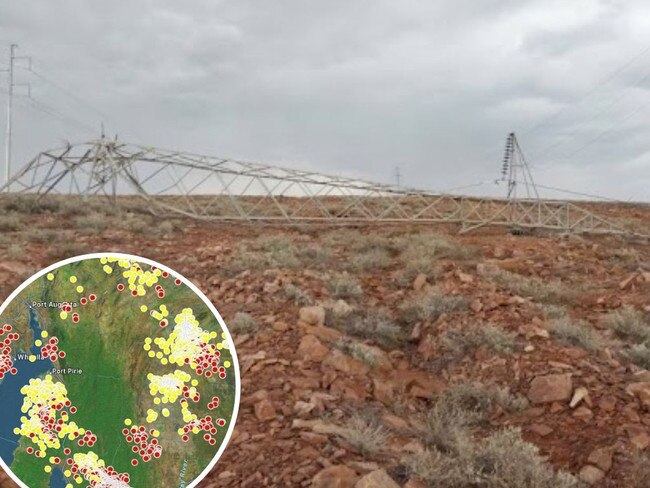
x: 212, y: 188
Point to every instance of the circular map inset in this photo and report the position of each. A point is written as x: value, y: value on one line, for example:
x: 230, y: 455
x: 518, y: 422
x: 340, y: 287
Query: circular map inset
x: 115, y: 372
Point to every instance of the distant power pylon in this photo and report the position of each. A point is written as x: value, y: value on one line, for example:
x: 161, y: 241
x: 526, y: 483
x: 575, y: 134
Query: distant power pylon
x: 516, y: 172
x: 398, y: 177
x: 11, y: 84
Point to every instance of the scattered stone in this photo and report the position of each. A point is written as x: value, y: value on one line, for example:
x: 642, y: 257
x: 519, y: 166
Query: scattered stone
x: 419, y: 282
x: 335, y: 477
x: 344, y: 363
x: 313, y: 315
x: 341, y: 307
x: 640, y: 440
x: 583, y: 413
x: 311, y: 348
x: 376, y: 479
x: 602, y: 458
x: 476, y: 305
x: 580, y: 394
x: 414, y: 484
x: 640, y: 390
x: 550, y: 388
x: 591, y: 474
x: 265, y: 411
x: 607, y: 403
x: 541, y: 429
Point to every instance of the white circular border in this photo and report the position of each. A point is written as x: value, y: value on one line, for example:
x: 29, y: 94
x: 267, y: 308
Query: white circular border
x: 196, y: 290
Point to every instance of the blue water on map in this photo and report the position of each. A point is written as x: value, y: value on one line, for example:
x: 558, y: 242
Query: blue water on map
x: 11, y: 399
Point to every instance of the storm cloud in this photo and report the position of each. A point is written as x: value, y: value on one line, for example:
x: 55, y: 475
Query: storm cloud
x: 349, y: 87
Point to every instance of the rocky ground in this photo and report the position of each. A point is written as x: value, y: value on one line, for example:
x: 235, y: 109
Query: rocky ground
x: 401, y: 356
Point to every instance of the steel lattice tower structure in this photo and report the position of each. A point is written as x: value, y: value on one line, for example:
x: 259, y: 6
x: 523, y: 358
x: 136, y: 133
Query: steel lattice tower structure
x: 212, y: 188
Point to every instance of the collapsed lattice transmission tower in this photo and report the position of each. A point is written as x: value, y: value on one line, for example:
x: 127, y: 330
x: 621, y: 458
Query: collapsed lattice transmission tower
x: 212, y: 188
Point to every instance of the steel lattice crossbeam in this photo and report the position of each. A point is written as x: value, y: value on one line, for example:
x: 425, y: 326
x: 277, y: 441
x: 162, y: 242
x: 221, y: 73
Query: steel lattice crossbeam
x: 224, y: 189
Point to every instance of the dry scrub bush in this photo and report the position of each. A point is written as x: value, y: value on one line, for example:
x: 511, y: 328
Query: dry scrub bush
x: 358, y: 351
x: 420, y: 255
x: 553, y: 311
x: 344, y: 286
x: 639, y: 354
x: 276, y: 252
x: 494, y: 338
x: 430, y: 306
x: 365, y: 434
x: 37, y: 234
x: 544, y: 291
x: 298, y: 295
x: 11, y: 222
x: 66, y: 249
x: 375, y: 324
x: 501, y: 460
x: 370, y: 260
x: 243, y: 323
x: 93, y: 223
x: 453, y: 458
x: 629, y: 324
x: 461, y: 408
x: 579, y: 333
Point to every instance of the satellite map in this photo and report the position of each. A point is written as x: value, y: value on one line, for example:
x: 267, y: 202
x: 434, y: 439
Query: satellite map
x: 114, y: 372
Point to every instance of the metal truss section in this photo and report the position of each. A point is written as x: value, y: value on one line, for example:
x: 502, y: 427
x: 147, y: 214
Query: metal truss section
x: 212, y: 188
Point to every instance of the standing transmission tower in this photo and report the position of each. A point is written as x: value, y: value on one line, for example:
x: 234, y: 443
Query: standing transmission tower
x: 516, y: 172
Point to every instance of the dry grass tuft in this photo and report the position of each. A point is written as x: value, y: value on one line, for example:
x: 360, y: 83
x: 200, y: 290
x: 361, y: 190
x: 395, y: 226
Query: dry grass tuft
x: 11, y: 222
x: 639, y: 354
x: 378, y: 326
x: 501, y: 460
x: 344, y: 286
x: 298, y: 295
x: 573, y: 333
x: 370, y: 260
x: 453, y: 458
x: 543, y: 291
x: 421, y: 253
x: 358, y: 351
x: 365, y: 434
x: 463, y: 407
x: 494, y: 338
x: 243, y: 323
x: 430, y: 306
x: 629, y: 324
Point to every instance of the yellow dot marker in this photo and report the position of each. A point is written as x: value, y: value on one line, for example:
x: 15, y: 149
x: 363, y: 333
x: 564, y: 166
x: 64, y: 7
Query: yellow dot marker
x: 143, y: 308
x: 73, y: 279
x: 80, y: 289
x: 38, y: 343
x: 128, y: 422
x: 50, y: 276
x: 44, y: 334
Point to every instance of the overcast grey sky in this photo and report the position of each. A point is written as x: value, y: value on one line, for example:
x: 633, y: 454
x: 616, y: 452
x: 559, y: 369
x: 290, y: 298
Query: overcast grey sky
x: 350, y: 87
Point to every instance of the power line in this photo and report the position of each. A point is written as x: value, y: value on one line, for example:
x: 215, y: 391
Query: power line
x: 607, y: 131
x: 595, y: 88
x: 68, y: 93
x: 52, y: 112
x: 600, y: 112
